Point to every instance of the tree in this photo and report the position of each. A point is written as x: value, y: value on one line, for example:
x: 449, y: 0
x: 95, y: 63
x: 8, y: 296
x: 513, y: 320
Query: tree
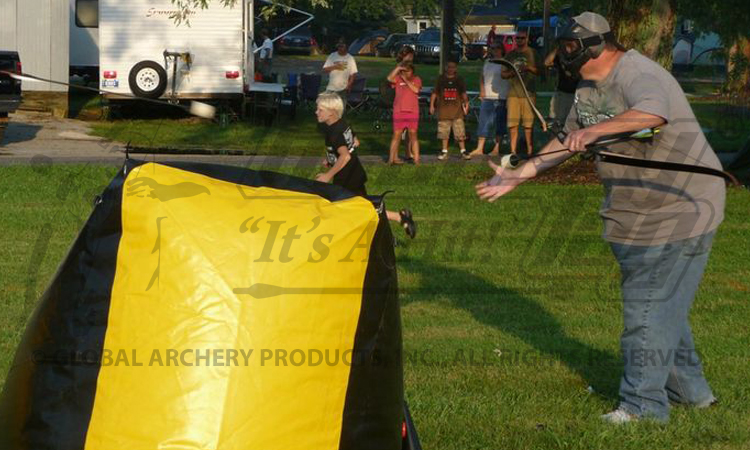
x: 729, y: 19
x: 645, y: 25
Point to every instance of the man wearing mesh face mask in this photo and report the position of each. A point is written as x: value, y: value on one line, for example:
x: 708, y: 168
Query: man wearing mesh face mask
x: 659, y: 223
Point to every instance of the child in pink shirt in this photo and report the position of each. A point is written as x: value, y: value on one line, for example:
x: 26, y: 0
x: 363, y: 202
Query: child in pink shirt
x: 405, y: 110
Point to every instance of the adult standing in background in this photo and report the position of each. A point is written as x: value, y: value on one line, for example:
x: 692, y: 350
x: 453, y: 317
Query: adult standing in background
x: 493, y: 90
x: 565, y: 93
x: 341, y: 69
x: 265, y: 60
x: 520, y: 113
x: 491, y: 37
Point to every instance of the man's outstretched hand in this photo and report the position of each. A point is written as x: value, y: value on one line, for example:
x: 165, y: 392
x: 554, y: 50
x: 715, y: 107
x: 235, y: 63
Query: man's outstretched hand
x: 500, y: 184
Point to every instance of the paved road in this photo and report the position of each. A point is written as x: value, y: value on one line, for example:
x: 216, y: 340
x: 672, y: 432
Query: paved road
x: 40, y: 138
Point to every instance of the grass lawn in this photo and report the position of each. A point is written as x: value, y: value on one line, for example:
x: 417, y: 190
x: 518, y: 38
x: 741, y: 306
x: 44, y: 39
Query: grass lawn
x: 528, y: 276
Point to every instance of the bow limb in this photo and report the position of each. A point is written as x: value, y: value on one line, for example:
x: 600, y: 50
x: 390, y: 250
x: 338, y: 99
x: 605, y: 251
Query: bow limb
x: 515, y: 70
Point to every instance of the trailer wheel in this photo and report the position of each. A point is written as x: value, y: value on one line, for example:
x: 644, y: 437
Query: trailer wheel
x: 148, y: 79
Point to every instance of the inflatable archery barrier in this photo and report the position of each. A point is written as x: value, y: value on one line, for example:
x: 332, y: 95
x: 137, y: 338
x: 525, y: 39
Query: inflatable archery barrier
x: 212, y: 307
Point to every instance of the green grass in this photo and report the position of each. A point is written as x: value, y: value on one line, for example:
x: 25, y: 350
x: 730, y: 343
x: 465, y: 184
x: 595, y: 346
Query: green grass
x: 529, y: 275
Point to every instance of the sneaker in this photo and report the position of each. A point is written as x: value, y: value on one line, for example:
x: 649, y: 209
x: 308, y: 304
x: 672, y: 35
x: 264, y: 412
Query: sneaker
x: 619, y: 416
x: 407, y: 221
x: 443, y: 155
x: 465, y: 155
x: 708, y: 403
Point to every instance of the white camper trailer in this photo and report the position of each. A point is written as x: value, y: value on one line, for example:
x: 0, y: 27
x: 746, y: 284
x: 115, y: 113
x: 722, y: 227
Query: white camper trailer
x: 142, y: 51
x: 84, y: 38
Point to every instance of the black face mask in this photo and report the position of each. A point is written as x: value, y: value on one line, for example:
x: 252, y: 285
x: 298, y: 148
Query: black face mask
x: 573, y: 60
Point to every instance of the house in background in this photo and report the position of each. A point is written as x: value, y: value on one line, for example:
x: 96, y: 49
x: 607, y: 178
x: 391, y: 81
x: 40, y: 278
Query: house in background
x: 482, y: 16
x: 415, y: 24
x: 477, y: 21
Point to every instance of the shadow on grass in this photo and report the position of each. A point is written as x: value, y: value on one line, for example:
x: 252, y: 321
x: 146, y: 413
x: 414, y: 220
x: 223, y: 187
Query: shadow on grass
x: 521, y: 317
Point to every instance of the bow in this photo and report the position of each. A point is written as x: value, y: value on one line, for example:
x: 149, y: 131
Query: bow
x: 596, y: 148
x: 505, y: 63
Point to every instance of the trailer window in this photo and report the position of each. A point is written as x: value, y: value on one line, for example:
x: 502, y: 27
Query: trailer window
x: 87, y: 13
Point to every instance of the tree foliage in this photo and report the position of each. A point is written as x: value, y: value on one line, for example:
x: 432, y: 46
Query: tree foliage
x: 729, y: 19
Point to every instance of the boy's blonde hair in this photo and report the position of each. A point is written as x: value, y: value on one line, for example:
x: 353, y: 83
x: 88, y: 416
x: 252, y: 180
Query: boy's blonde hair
x: 331, y: 102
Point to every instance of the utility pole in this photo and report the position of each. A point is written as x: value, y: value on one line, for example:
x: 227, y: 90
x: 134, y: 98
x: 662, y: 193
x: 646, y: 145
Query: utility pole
x: 447, y: 24
x: 545, y: 34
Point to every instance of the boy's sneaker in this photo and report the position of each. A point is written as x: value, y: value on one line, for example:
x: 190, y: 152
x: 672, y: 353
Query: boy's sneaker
x: 407, y: 221
x: 465, y: 154
x: 619, y: 416
x: 443, y: 155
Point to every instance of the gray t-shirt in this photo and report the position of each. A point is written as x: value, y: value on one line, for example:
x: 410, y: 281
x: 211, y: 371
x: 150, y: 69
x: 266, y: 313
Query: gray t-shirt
x: 651, y: 206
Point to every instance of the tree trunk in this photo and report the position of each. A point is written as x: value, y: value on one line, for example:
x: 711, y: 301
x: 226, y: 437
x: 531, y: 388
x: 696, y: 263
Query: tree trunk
x: 738, y: 68
x: 645, y: 25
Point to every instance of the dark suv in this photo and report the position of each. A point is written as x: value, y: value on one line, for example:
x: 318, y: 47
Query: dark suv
x: 427, y: 47
x: 394, y: 43
x: 10, y: 88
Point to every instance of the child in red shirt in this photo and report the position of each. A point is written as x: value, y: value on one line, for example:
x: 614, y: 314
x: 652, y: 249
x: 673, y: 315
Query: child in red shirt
x: 405, y: 110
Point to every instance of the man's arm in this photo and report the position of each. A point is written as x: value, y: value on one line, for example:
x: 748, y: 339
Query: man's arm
x: 505, y: 180
x: 549, y: 61
x: 329, y: 66
x: 481, y: 85
x: 631, y: 120
x: 507, y: 74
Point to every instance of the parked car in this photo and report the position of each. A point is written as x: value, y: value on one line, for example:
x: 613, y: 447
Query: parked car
x: 10, y: 88
x: 391, y: 46
x: 477, y: 49
x: 428, y: 46
x: 298, y: 41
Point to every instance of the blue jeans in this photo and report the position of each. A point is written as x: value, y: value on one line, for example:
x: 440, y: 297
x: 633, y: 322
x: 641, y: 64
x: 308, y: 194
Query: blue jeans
x: 487, y: 113
x: 658, y: 287
x: 501, y: 119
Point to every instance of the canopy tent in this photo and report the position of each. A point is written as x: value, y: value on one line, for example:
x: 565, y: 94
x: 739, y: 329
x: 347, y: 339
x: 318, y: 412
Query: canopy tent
x: 537, y: 23
x: 189, y: 311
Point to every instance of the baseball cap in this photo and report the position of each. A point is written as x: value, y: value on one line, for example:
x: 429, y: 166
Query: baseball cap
x: 592, y: 22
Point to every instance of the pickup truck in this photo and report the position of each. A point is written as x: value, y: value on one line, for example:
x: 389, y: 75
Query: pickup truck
x: 10, y: 88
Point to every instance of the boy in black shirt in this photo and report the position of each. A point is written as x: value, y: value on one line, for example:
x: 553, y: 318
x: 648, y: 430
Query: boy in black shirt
x: 344, y: 167
x: 450, y: 101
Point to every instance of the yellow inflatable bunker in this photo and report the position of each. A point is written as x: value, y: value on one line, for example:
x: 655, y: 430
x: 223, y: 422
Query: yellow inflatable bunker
x: 212, y: 307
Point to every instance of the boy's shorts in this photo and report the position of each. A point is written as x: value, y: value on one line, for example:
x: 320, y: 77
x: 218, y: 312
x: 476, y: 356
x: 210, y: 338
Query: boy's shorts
x: 457, y: 125
x: 520, y: 113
